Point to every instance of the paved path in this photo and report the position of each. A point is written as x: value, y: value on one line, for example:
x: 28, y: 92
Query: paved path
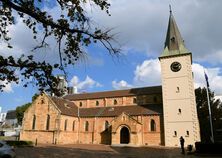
x: 98, y: 151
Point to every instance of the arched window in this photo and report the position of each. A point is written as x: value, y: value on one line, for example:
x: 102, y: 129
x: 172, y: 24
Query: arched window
x: 188, y: 133
x: 179, y: 111
x: 86, y: 126
x: 134, y: 100
x: 106, y: 125
x: 175, y: 133
x: 80, y: 104
x: 65, y: 125
x: 152, y: 125
x: 97, y: 103
x: 33, y: 122
x: 178, y: 90
x: 115, y: 102
x: 73, y: 125
x: 47, y: 122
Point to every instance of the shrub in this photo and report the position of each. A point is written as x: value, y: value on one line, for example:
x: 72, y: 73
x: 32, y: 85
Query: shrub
x: 208, y: 148
x: 19, y: 143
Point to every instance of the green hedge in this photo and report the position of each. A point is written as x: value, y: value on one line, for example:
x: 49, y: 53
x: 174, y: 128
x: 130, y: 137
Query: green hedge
x: 19, y: 143
x: 208, y: 148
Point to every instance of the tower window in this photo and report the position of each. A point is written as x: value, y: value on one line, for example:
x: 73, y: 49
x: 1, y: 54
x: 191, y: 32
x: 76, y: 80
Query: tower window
x: 97, y: 103
x: 178, y: 90
x: 188, y: 133
x: 42, y: 101
x: 173, y: 39
x: 179, y: 111
x: 175, y: 133
x: 80, y: 104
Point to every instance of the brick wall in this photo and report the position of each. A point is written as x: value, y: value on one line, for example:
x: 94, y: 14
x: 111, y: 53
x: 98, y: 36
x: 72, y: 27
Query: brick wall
x: 45, y: 137
x: 152, y: 137
x: 41, y: 108
x: 139, y: 126
x: 121, y: 101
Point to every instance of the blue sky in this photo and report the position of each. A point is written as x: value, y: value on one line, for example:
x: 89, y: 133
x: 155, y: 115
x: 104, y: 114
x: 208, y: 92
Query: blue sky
x: 141, y: 30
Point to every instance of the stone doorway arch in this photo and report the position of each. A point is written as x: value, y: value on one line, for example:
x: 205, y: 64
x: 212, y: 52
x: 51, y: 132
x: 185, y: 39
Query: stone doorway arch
x: 124, y: 135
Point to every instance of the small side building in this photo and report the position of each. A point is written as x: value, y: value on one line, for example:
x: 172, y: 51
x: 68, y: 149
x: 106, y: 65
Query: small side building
x: 11, y: 119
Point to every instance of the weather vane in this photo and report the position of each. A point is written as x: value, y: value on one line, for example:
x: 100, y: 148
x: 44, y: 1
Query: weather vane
x: 170, y: 8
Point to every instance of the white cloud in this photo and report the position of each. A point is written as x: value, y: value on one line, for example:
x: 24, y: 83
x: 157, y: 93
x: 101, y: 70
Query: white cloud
x: 148, y: 73
x: 211, y: 57
x: 74, y: 81
x: 7, y: 88
x: 88, y: 83
x: 214, y: 77
x: 121, y: 85
x: 198, y: 71
x: 142, y: 26
x: 21, y: 41
x: 218, y: 97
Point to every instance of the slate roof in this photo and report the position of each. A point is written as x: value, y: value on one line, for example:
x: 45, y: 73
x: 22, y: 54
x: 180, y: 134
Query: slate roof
x: 116, y: 93
x: 67, y: 107
x: 133, y: 110
x: 11, y: 114
x: 174, y: 43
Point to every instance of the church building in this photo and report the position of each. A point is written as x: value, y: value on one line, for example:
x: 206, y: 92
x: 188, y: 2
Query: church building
x: 157, y: 115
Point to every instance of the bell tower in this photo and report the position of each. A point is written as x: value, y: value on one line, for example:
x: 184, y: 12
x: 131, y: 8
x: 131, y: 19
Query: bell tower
x: 179, y: 105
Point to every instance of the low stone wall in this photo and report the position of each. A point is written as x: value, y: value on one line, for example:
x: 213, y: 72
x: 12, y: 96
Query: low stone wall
x: 67, y: 138
x: 44, y: 137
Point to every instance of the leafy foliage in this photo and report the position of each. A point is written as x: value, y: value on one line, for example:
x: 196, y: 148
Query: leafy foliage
x: 73, y: 28
x: 203, y: 113
x: 21, y: 109
x: 20, y: 112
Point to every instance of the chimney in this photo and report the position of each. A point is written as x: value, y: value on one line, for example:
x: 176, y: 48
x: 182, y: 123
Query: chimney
x: 75, y: 90
x: 72, y: 90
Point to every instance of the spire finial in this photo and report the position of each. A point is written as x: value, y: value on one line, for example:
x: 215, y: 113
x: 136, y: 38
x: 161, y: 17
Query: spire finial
x: 170, y: 9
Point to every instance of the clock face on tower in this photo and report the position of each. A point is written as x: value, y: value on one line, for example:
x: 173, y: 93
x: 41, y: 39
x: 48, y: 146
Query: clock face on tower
x: 175, y: 66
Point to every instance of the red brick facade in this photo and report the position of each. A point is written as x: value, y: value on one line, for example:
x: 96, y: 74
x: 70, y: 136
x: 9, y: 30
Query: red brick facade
x: 93, y: 120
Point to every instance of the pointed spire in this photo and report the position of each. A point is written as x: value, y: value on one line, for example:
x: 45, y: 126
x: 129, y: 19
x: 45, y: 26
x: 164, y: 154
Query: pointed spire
x: 174, y: 43
x: 170, y: 9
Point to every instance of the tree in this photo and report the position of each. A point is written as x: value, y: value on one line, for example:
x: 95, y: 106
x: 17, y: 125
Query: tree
x: 203, y: 113
x: 21, y: 109
x: 34, y: 97
x: 20, y: 112
x: 73, y: 28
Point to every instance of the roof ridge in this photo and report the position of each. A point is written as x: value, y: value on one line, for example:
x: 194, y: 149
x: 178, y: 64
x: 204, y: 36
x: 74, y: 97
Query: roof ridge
x: 114, y: 90
x: 100, y: 112
x: 116, y: 93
